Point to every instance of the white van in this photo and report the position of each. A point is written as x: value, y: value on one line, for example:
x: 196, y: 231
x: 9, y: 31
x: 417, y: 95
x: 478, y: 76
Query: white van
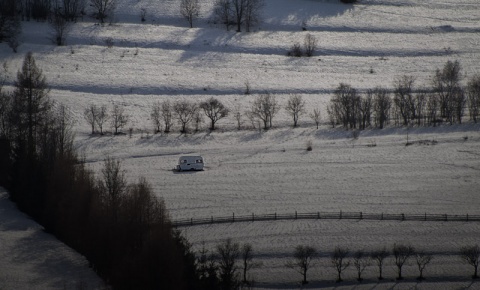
x: 190, y: 163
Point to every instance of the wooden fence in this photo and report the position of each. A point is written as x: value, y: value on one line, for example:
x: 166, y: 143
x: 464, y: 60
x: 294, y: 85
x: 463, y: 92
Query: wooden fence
x: 325, y: 215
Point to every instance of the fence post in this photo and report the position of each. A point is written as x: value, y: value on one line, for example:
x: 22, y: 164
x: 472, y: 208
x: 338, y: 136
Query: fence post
x: 318, y: 215
x: 425, y: 216
x: 403, y: 216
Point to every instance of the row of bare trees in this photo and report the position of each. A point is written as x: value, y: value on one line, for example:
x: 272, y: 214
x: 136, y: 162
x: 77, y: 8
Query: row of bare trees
x: 341, y: 258
x: 98, y: 116
x: 262, y: 111
x: 239, y: 13
x: 220, y: 268
x: 445, y: 101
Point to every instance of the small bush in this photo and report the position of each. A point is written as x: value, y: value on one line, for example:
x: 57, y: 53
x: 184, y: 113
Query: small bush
x: 295, y: 50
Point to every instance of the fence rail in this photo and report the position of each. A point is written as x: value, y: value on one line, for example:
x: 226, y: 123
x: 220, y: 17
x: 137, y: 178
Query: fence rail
x: 325, y: 215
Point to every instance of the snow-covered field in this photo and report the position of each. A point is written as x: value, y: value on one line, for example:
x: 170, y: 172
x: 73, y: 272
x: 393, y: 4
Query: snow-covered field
x: 247, y: 171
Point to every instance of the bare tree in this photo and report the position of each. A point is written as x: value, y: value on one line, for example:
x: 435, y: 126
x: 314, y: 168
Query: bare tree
x: 118, y: 118
x: 360, y: 261
x: 185, y: 112
x: 446, y: 84
x: 471, y: 255
x: 90, y: 115
x: 404, y: 97
x: 473, y: 91
x: 239, y: 8
x: 339, y: 262
x: 214, y: 110
x: 344, y: 106
x: 422, y: 259
x: 156, y: 116
x: 402, y: 253
x: 309, y: 44
x: 103, y: 9
x: 223, y: 11
x: 190, y: 9
x: 382, y: 104
x: 365, y: 110
x: 379, y: 257
x: 113, y: 186
x: 228, y: 252
x: 167, y: 115
x: 248, y: 264
x: 303, y: 256
x: 432, y: 108
x: 315, y: 116
x: 237, y: 114
x: 295, y: 107
x: 59, y: 25
x: 72, y: 9
x: 253, y: 11
x: 101, y: 117
x: 198, y: 120
x: 265, y: 107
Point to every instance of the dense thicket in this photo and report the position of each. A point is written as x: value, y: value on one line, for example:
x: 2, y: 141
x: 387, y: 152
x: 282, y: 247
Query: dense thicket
x: 122, y: 229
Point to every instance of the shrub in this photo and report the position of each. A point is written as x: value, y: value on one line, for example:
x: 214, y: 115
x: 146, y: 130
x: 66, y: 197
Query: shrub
x: 295, y: 50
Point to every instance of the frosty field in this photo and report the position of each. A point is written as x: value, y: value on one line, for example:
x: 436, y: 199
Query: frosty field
x: 261, y: 172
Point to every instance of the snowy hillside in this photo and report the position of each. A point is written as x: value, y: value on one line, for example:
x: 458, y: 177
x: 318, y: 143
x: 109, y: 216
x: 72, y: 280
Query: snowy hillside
x: 247, y: 171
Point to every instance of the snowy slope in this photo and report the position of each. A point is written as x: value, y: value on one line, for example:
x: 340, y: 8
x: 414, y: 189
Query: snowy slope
x: 365, y: 45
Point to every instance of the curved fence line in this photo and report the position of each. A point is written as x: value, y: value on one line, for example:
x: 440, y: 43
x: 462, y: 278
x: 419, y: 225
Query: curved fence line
x: 325, y: 215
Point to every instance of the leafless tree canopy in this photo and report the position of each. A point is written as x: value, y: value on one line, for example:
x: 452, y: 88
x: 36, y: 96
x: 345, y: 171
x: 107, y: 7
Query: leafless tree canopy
x: 214, y: 110
x: 118, y: 118
x: 446, y: 85
x: 360, y: 261
x: 238, y: 12
x: 190, y: 9
x: 316, y: 116
x: 185, y: 113
x: 101, y: 117
x: 309, y: 44
x: 228, y: 252
x: 103, y: 9
x: 339, y: 262
x: 167, y: 115
x: 379, y: 257
x: 265, y: 107
x: 156, y: 116
x: 473, y: 91
x: 295, y: 107
x: 471, y: 255
x: 302, y: 262
x: 422, y: 259
x: 402, y: 253
x: 59, y: 25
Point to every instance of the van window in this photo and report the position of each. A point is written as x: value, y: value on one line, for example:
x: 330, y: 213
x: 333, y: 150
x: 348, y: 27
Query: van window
x: 184, y: 161
x: 199, y: 161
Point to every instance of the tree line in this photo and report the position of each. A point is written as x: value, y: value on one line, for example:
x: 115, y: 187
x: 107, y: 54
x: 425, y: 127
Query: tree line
x: 229, y: 265
x: 445, y: 101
